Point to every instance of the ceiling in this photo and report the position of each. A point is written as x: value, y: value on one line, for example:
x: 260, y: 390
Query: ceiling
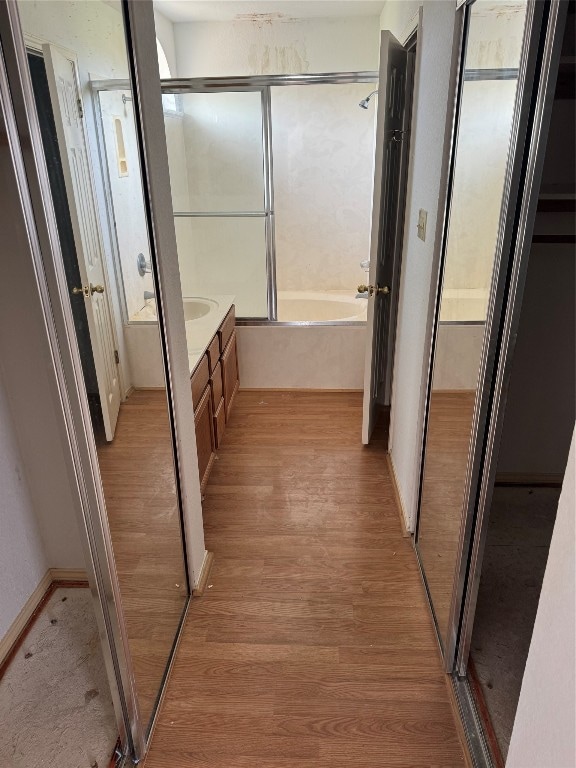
x: 264, y: 10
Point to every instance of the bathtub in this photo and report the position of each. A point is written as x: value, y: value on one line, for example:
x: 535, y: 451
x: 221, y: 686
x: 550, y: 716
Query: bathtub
x: 320, y: 307
x: 318, y: 342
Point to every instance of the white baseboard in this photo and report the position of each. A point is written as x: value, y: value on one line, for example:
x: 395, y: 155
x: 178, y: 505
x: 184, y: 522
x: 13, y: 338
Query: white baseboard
x: 30, y: 606
x: 202, y: 579
x: 398, y: 497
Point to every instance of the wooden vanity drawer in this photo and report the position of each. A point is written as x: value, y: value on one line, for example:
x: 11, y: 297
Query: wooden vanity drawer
x: 227, y: 328
x: 214, y: 352
x: 199, y: 380
x: 216, y: 382
x: 219, y: 422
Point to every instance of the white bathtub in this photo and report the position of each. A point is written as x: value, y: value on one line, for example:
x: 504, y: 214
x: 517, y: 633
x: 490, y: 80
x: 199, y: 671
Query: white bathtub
x: 320, y: 307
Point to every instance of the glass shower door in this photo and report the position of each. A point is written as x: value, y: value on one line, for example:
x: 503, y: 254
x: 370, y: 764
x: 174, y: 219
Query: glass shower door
x: 222, y: 204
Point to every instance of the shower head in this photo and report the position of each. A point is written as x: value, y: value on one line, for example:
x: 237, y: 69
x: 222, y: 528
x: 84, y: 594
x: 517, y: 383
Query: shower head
x: 365, y: 102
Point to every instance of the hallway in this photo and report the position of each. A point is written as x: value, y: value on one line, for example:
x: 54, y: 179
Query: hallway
x: 314, y: 644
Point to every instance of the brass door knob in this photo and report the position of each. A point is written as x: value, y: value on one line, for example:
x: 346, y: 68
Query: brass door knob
x: 88, y: 290
x: 373, y: 289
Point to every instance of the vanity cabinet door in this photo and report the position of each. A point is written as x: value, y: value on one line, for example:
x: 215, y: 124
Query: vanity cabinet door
x: 216, y: 384
x: 199, y: 380
x: 230, y: 373
x: 205, y: 443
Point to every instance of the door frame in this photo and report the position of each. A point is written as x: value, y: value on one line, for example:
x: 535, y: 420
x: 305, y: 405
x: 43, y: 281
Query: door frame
x: 377, y: 337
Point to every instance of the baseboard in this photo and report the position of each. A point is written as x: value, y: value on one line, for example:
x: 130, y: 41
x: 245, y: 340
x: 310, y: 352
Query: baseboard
x: 23, y: 621
x: 398, y: 499
x: 552, y: 480
x: 202, y: 583
x: 68, y: 574
x: 27, y: 612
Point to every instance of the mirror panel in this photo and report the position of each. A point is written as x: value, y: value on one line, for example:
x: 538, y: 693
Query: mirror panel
x: 492, y: 59
x: 110, y: 272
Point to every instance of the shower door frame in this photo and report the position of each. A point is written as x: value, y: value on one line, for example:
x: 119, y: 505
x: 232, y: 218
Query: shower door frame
x: 264, y: 85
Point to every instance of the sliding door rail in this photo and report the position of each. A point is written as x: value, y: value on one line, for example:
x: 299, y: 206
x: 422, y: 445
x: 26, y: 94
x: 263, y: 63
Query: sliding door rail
x: 193, y: 84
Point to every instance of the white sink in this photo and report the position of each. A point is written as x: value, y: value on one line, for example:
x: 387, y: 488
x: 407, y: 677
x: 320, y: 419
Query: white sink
x: 197, y: 307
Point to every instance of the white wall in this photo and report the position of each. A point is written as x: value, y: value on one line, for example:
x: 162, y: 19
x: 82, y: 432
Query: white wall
x: 23, y: 562
x: 165, y: 34
x: 495, y: 42
x: 544, y: 733
x: 297, y: 46
x: 431, y: 118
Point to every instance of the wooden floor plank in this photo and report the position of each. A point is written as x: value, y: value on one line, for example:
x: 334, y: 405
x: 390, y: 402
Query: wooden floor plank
x: 313, y: 644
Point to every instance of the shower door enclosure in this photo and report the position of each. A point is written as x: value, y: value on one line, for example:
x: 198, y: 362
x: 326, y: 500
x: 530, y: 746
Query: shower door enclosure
x: 222, y: 136
x: 218, y: 153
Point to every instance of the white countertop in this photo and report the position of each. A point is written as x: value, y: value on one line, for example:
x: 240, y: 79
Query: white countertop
x: 200, y: 332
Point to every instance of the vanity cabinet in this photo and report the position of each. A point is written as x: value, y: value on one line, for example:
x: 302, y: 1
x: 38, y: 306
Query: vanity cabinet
x: 214, y: 384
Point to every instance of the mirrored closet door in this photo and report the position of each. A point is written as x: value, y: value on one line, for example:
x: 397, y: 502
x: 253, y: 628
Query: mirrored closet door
x: 91, y: 147
x: 489, y: 81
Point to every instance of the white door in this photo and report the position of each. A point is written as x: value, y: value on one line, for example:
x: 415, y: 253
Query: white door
x: 68, y: 116
x: 387, y: 224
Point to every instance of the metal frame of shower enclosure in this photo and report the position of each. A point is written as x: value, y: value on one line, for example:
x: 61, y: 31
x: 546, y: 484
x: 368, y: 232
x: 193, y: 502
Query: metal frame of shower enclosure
x: 262, y: 84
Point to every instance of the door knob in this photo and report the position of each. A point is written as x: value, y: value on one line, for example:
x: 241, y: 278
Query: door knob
x: 373, y: 289
x: 88, y: 290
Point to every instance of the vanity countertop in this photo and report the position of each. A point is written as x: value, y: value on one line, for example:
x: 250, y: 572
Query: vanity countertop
x: 200, y: 332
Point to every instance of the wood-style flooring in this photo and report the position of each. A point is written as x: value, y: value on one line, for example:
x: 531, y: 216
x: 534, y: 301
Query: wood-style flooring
x: 137, y: 470
x: 445, y: 466
x: 313, y: 644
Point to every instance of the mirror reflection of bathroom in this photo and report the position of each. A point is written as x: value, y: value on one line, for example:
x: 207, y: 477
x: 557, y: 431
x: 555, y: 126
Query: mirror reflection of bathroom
x: 91, y: 150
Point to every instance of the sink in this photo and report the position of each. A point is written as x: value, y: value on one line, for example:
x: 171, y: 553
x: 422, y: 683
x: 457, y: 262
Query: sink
x: 197, y: 307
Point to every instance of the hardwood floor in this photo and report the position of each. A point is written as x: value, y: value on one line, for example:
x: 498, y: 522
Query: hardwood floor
x: 313, y: 646
x: 139, y: 487
x: 447, y: 444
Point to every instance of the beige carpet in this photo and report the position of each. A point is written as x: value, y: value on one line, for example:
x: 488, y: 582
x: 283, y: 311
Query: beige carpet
x: 55, y: 704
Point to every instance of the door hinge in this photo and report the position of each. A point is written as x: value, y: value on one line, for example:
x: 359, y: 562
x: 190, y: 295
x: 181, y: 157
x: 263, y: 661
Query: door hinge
x: 80, y: 108
x: 116, y: 357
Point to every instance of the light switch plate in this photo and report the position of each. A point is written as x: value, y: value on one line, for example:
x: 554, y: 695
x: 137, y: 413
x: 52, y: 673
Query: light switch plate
x: 422, y: 219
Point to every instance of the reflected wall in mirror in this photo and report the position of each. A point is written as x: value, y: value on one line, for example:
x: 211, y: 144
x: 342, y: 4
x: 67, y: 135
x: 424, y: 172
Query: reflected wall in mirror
x: 90, y: 141
x: 491, y: 65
